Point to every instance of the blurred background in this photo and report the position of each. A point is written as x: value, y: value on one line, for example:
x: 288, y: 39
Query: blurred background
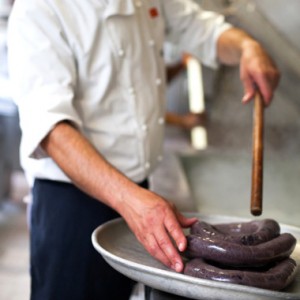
x: 215, y: 179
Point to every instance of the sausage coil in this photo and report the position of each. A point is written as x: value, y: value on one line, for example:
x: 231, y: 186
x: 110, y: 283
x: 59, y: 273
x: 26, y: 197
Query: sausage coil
x: 251, y: 253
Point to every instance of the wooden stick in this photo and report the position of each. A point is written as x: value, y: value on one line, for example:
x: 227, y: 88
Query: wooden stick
x: 257, y: 159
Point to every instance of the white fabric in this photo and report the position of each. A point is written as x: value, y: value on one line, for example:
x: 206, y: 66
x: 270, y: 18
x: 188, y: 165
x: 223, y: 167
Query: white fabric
x: 81, y: 61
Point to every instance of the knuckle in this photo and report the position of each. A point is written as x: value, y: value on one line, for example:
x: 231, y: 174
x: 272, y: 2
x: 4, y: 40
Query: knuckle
x: 163, y: 243
x: 141, y: 238
x: 173, y: 229
x: 151, y: 220
x: 152, y: 249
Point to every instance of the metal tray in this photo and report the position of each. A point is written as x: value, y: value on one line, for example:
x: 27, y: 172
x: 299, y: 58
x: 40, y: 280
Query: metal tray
x: 119, y: 247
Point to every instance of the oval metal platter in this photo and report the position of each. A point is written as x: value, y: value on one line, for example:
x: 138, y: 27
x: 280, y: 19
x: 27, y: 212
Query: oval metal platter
x: 119, y: 247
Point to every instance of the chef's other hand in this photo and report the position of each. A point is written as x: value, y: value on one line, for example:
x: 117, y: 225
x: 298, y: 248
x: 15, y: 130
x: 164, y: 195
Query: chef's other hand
x: 258, y: 70
x: 157, y: 224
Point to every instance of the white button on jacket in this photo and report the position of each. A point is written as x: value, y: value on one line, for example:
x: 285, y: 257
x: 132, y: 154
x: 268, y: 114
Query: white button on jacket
x: 78, y: 60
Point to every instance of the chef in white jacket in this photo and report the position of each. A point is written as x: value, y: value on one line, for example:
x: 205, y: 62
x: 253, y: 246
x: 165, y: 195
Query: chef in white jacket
x: 89, y: 81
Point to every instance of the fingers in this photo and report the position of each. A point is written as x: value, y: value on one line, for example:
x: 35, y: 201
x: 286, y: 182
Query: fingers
x: 185, y: 222
x: 158, y: 226
x: 175, y: 231
x: 265, y: 84
x: 249, y: 89
x: 163, y: 240
x: 173, y: 226
x: 159, y: 244
x: 258, y: 71
x: 153, y: 247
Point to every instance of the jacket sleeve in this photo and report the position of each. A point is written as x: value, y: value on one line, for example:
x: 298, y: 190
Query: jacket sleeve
x: 42, y: 72
x: 193, y: 30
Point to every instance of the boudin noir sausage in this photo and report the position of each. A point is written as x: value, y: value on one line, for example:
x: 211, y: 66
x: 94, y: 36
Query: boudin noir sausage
x: 250, y: 253
x: 246, y: 233
x: 253, y: 243
x: 234, y: 254
x: 274, y: 277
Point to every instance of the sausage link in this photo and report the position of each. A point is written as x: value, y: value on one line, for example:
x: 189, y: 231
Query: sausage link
x: 233, y: 254
x: 245, y: 233
x: 275, y: 277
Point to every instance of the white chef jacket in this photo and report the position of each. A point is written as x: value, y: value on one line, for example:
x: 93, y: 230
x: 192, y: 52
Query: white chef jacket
x: 99, y: 64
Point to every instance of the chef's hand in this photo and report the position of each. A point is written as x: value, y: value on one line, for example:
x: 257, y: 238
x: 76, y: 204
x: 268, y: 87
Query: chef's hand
x: 157, y: 224
x: 258, y: 71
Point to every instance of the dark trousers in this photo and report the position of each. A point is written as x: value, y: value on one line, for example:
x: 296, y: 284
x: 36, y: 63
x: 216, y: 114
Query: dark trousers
x: 64, y: 264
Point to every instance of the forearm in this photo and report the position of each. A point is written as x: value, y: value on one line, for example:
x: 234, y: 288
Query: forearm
x: 86, y: 167
x: 153, y: 220
x: 231, y: 44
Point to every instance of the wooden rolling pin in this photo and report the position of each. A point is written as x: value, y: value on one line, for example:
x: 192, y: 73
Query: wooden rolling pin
x: 257, y: 159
